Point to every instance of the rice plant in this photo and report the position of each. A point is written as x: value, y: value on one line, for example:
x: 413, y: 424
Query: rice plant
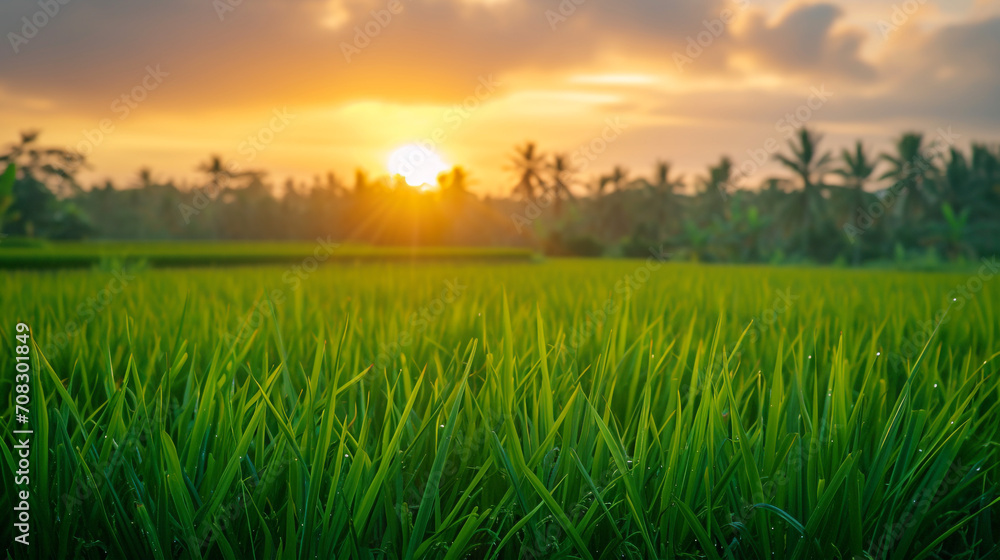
x: 567, y: 409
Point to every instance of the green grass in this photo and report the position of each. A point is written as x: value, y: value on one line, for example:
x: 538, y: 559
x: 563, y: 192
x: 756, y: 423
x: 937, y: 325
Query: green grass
x: 234, y: 413
x: 21, y: 254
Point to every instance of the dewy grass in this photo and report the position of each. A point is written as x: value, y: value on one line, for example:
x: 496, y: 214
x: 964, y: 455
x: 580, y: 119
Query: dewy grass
x: 707, y: 412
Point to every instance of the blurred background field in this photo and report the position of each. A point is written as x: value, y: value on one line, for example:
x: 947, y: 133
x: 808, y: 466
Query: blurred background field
x: 28, y: 254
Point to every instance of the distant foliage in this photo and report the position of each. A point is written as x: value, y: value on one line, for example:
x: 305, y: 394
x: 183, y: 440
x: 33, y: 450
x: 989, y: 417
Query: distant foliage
x: 924, y: 201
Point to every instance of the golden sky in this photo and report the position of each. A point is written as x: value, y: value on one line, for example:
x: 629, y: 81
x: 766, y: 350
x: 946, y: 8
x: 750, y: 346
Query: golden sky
x: 300, y: 87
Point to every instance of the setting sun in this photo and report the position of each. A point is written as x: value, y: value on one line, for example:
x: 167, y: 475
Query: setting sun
x: 417, y: 165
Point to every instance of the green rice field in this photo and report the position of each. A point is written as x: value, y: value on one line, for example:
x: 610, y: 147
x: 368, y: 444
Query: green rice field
x: 21, y: 254
x: 518, y: 409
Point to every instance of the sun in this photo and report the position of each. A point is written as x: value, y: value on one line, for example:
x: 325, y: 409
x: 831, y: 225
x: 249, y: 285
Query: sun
x: 418, y: 165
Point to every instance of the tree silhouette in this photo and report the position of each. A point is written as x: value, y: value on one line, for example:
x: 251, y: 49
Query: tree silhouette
x: 912, y: 168
x: 856, y: 168
x: 44, y: 186
x: 529, y: 165
x: 806, y: 210
x: 712, y: 190
x: 948, y: 205
x: 666, y: 203
x: 617, y: 179
x: 562, y: 176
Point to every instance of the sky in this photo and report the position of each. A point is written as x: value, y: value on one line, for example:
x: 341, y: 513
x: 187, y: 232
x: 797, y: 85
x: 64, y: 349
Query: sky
x: 302, y: 87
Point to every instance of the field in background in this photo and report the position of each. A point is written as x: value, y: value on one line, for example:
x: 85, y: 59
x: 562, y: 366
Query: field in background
x: 580, y: 409
x: 110, y: 253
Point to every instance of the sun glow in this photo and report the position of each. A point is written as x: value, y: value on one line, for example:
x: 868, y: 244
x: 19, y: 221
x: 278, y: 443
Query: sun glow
x: 418, y: 165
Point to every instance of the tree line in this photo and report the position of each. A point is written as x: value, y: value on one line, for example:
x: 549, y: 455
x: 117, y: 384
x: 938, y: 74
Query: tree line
x: 925, y: 199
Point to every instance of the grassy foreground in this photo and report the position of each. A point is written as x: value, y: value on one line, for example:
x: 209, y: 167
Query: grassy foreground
x: 567, y: 409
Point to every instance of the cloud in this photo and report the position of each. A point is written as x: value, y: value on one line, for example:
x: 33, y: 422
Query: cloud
x: 284, y: 52
x: 947, y: 76
x: 804, y: 41
x: 559, y: 75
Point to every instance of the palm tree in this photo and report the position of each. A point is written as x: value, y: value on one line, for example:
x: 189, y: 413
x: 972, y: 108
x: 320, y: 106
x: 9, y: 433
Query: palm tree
x: 986, y: 175
x: 662, y: 182
x: 44, y: 184
x: 618, y: 179
x: 964, y: 194
x: 528, y: 164
x: 145, y: 178
x: 666, y: 203
x: 454, y: 183
x: 912, y: 169
x: 332, y: 184
x: 958, y: 185
x: 52, y: 168
x: 612, y: 211
x: 712, y: 189
x: 806, y: 162
x: 219, y: 174
x: 562, y: 176
x: 361, y: 182
x: 986, y: 162
x: 806, y: 210
x: 856, y: 169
